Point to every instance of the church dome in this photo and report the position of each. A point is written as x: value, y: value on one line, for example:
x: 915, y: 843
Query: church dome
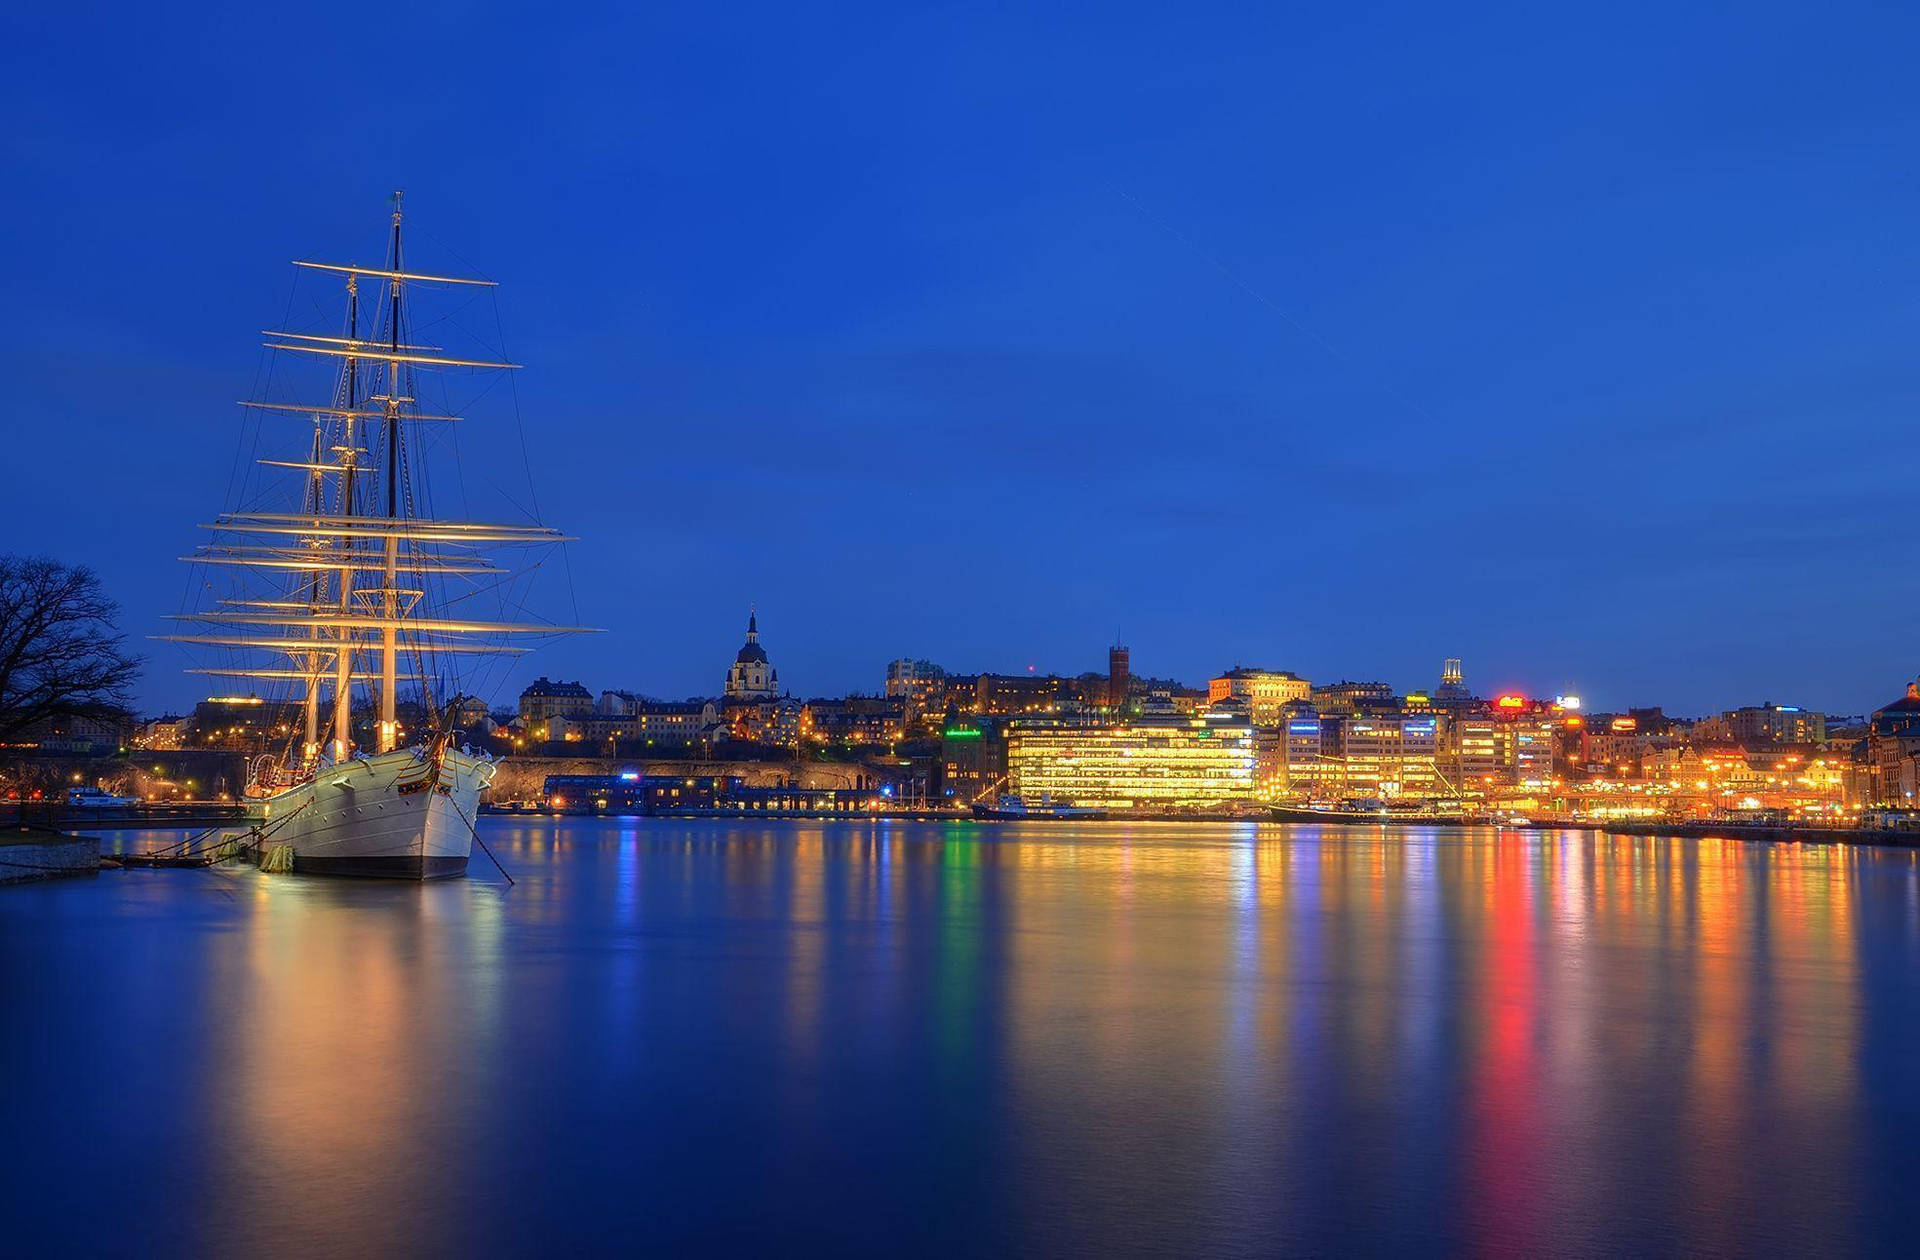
x: 751, y: 676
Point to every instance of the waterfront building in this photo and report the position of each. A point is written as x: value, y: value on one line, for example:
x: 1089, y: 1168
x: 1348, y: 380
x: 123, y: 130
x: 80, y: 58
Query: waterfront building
x: 468, y: 713
x: 82, y: 735
x: 752, y: 676
x: 1526, y: 749
x: 630, y: 792
x: 1469, y: 757
x: 545, y: 700
x: 245, y: 723
x: 1893, y: 750
x: 1765, y: 726
x: 908, y: 678
x: 1265, y: 692
x: 675, y: 721
x: 920, y: 687
x: 773, y: 722
x: 659, y: 723
x: 1291, y: 756
x: 1724, y: 779
x: 616, y: 702
x: 1017, y: 695
x: 973, y: 761
x: 1648, y: 721
x: 1388, y: 755
x: 1620, y: 753
x: 1041, y: 695
x: 1163, y: 759
x: 168, y: 733
x: 1352, y: 697
x: 873, y: 721
x: 586, y: 728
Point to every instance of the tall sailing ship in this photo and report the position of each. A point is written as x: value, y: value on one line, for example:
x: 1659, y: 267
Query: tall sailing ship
x: 347, y: 588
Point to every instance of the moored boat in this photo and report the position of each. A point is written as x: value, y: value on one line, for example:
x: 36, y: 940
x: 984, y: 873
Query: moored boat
x: 1374, y: 813
x: 92, y: 799
x: 1016, y: 808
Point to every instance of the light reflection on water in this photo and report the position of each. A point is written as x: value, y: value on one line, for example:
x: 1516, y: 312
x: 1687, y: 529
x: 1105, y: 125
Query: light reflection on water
x: 855, y: 1036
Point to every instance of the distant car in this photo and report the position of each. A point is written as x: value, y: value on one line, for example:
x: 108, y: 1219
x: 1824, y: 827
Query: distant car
x: 94, y: 798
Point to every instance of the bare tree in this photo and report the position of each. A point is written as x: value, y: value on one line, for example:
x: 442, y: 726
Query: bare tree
x: 61, y: 656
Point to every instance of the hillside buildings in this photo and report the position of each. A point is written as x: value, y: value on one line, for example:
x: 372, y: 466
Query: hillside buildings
x: 545, y: 700
x: 1113, y: 739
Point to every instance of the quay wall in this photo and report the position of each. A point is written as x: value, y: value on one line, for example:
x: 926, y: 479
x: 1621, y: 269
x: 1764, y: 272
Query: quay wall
x: 524, y: 778
x: 53, y: 857
x: 145, y: 773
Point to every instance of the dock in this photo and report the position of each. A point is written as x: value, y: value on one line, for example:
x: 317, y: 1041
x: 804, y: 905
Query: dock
x: 155, y: 814
x: 29, y: 853
x: 1778, y: 833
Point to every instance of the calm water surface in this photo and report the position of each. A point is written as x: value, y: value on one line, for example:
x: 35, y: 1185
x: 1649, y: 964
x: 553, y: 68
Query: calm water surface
x: 963, y: 1039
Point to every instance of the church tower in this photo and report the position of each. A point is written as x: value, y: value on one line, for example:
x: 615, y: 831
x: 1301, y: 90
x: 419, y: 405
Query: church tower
x: 752, y: 676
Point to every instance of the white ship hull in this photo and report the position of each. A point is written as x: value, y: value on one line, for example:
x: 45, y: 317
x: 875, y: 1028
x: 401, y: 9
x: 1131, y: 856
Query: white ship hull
x: 392, y: 816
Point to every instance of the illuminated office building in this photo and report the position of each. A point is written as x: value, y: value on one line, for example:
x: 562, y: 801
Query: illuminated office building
x: 973, y: 761
x: 1389, y: 755
x: 1162, y: 760
x: 1526, y: 750
x: 1382, y: 755
x: 1265, y: 692
x: 1470, y: 753
x: 1291, y: 759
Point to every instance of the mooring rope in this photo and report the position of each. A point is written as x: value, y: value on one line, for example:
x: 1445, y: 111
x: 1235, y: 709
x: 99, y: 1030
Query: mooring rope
x: 475, y: 833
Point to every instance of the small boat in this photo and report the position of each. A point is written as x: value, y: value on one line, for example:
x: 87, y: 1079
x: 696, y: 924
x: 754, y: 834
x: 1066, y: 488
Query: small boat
x: 1373, y: 813
x: 1346, y: 812
x: 92, y: 798
x: 1015, y: 808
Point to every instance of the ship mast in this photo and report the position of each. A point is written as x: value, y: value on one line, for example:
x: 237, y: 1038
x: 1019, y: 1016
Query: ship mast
x: 322, y: 625
x: 389, y: 595
x: 310, y: 701
x: 349, y: 449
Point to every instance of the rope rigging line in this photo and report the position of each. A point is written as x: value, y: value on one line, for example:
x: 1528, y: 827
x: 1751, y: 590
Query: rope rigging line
x: 526, y: 456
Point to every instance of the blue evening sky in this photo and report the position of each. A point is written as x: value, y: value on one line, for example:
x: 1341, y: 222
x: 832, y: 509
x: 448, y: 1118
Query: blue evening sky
x: 1582, y: 342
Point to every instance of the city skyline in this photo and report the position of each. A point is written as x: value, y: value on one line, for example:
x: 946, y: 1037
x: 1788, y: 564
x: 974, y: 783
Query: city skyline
x: 1343, y: 355
x: 165, y: 689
